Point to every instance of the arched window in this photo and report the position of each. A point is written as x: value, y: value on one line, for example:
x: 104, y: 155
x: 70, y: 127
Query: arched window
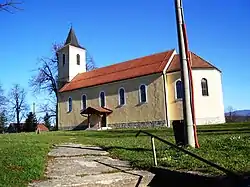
x: 69, y: 104
x: 204, y: 87
x: 143, y: 93
x: 178, y: 89
x: 78, y: 59
x: 102, y: 99
x: 84, y: 102
x: 64, y: 59
x: 121, y: 96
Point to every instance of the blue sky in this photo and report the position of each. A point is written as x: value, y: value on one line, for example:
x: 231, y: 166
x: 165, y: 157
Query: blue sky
x: 115, y: 31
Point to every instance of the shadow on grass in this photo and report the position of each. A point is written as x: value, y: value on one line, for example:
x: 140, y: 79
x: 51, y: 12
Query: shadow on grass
x: 138, y: 149
x: 170, y: 178
x: 223, y: 131
x: 108, y: 148
x: 87, y: 148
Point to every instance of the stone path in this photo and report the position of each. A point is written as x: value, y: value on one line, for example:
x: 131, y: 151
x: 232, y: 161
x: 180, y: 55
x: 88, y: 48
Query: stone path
x: 79, y: 165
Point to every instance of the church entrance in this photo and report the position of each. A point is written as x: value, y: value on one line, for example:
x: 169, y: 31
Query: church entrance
x: 101, y: 114
x: 104, y: 120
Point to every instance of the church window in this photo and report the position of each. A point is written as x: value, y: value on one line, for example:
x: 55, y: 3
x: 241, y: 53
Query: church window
x: 64, y: 59
x: 178, y: 89
x: 102, y: 99
x: 204, y: 87
x: 143, y: 93
x: 69, y: 104
x: 121, y: 96
x: 84, y: 102
x: 78, y: 59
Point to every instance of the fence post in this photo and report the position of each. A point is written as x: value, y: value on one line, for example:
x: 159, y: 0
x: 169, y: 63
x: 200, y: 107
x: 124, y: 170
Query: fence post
x: 153, y: 149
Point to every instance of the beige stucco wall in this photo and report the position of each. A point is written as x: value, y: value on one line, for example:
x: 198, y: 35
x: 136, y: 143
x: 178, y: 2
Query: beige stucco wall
x: 174, y: 106
x: 132, y: 111
x: 208, y: 109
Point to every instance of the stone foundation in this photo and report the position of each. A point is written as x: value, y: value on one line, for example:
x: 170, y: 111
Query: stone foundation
x: 146, y: 124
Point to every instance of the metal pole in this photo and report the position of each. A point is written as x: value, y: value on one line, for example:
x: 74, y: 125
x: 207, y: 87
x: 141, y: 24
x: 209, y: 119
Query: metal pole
x: 187, y: 111
x: 88, y: 121
x: 153, y: 149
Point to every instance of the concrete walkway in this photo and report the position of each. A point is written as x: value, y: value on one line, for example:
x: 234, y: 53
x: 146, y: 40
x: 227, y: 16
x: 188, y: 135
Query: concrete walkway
x: 79, y: 165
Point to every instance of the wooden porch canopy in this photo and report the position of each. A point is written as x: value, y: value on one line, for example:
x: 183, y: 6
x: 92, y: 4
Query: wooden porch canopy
x: 96, y: 110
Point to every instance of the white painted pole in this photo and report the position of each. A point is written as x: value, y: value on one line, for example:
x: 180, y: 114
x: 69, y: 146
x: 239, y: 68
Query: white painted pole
x: 187, y: 111
x: 34, y: 108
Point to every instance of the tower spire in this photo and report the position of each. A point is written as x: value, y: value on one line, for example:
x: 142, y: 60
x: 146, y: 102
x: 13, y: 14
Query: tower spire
x: 71, y: 38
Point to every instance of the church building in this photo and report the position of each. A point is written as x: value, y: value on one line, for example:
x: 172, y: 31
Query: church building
x: 142, y: 92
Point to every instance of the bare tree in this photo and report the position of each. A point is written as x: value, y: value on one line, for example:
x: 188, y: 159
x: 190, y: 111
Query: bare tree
x: 230, y: 114
x: 46, y: 79
x: 17, y: 103
x: 3, y: 113
x: 90, y: 63
x: 2, y: 99
x: 10, y: 5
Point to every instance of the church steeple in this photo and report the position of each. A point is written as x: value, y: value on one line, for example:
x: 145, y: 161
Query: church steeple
x: 71, y: 39
x: 71, y: 59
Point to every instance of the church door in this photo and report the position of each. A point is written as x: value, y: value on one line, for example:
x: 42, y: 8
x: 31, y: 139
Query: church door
x: 104, y: 120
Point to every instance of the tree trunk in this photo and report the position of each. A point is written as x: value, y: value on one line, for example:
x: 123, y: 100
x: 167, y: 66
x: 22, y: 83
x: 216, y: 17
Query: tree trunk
x: 18, y: 120
x: 57, y: 121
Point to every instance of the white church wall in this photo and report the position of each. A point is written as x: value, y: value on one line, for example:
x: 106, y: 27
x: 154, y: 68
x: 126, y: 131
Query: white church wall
x: 208, y: 109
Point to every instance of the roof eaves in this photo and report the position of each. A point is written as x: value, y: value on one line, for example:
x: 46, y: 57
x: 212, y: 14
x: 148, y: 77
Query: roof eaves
x: 193, y: 68
x: 206, y: 61
x: 67, y: 90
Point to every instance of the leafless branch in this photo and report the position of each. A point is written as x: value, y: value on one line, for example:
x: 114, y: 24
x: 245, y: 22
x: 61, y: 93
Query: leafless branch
x: 90, y: 63
x: 8, y: 5
x: 17, y: 102
x: 46, y: 79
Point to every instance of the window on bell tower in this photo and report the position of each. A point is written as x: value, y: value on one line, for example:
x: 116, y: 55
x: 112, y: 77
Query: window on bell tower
x: 64, y: 59
x: 78, y: 59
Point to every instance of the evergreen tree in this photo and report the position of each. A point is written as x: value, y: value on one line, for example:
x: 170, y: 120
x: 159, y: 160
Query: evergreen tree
x: 30, y: 123
x: 3, y: 120
x: 47, y: 120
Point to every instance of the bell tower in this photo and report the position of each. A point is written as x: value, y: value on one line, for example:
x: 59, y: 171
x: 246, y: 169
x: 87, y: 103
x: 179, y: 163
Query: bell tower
x: 71, y: 59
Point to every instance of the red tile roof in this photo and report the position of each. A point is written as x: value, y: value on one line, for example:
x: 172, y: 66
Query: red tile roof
x: 42, y: 127
x: 130, y: 69
x: 197, y: 62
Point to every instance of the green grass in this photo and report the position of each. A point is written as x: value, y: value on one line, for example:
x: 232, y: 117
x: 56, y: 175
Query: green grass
x: 23, y: 156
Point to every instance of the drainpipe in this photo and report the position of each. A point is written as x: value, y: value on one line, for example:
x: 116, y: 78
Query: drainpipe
x: 165, y: 99
x: 187, y: 110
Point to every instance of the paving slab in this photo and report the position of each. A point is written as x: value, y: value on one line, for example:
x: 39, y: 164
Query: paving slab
x: 85, y: 165
x: 75, y: 150
x: 122, y: 179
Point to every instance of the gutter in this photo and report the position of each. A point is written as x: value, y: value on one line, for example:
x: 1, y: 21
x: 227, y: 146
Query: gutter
x: 165, y: 99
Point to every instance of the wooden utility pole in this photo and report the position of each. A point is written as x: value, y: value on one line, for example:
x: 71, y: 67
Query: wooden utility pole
x: 187, y: 110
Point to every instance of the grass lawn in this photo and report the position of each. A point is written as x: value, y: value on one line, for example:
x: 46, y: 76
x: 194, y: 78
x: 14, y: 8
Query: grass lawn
x: 23, y: 156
